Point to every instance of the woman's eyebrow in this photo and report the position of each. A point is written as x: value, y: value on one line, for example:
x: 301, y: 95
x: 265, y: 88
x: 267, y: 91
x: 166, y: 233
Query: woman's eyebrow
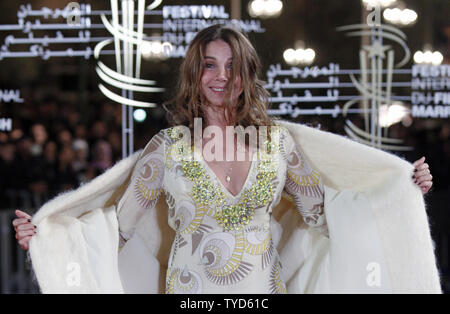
x: 209, y: 57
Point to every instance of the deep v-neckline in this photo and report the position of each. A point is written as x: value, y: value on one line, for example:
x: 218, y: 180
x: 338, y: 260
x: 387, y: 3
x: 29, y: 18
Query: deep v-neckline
x: 222, y: 186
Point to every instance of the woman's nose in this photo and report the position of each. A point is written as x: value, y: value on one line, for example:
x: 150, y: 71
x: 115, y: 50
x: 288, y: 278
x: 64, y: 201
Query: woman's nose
x: 222, y: 74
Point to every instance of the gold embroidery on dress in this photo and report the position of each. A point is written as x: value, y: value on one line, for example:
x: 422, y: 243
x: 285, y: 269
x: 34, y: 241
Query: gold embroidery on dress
x: 147, y: 184
x: 258, y: 241
x: 183, y: 281
x: 221, y: 255
x: 303, y: 183
x: 194, y: 222
x: 276, y: 283
x: 207, y: 193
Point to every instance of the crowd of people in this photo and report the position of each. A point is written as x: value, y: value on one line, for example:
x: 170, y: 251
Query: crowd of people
x: 51, y: 149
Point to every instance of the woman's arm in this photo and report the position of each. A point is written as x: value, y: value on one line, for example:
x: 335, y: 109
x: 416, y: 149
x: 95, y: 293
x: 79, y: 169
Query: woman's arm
x: 144, y: 188
x: 303, y: 183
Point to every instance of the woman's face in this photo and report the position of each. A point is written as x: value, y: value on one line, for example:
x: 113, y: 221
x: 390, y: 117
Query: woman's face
x: 216, y: 73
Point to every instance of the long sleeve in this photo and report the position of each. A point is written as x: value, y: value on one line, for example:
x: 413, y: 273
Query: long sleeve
x: 144, y: 189
x: 303, y: 184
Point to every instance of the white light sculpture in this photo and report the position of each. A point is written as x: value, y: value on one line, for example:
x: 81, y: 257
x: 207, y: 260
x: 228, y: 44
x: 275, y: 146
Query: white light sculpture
x: 130, y: 47
x: 381, y: 3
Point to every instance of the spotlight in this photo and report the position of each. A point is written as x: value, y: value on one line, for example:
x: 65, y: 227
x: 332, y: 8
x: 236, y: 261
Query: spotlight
x: 381, y: 3
x: 400, y: 16
x: 156, y: 50
x: 428, y: 57
x: 299, y: 56
x: 392, y: 114
x: 265, y: 8
x: 139, y: 115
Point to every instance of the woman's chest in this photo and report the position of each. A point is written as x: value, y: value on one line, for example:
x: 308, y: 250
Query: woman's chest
x: 196, y: 194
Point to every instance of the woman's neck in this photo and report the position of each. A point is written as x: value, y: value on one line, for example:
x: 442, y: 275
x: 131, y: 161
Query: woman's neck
x: 215, y: 117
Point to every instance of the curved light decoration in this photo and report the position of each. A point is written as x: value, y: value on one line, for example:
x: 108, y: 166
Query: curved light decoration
x: 123, y: 100
x: 382, y: 3
x: 154, y: 4
x: 396, y: 35
x: 377, y: 92
x: 122, y: 85
x: 128, y: 40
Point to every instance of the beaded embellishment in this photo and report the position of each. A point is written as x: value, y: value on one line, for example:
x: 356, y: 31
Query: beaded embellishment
x: 208, y: 193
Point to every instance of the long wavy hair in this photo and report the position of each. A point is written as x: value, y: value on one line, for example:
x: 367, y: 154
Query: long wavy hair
x: 251, y: 105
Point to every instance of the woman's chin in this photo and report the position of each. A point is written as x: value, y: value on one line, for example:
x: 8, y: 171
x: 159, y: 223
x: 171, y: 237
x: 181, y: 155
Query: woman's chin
x: 216, y: 105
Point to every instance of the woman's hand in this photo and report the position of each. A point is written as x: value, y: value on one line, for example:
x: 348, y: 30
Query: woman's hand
x: 422, y: 176
x: 24, y: 229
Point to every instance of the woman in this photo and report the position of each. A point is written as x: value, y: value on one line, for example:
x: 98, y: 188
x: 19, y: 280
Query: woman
x: 220, y: 210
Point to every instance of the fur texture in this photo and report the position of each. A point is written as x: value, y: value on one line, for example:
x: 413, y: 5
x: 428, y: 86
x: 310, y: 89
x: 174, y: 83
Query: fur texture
x: 395, y: 202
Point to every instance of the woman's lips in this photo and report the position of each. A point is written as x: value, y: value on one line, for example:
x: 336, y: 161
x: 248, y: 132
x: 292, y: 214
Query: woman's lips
x: 218, y: 90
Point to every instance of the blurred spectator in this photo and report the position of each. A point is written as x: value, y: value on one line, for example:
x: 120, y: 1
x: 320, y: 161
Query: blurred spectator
x: 107, y: 112
x: 50, y: 155
x: 3, y: 137
x: 48, y: 109
x: 9, y: 168
x: 66, y: 176
x: 102, y: 157
x: 38, y: 177
x: 40, y: 137
x: 444, y: 134
x: 81, y: 132
x: 65, y: 138
x: 115, y: 139
x: 69, y: 115
x: 80, y: 162
x: 24, y: 159
x: 16, y: 134
x: 99, y: 131
x: 73, y: 118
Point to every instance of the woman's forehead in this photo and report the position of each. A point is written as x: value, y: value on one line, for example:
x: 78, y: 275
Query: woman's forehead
x: 218, y: 48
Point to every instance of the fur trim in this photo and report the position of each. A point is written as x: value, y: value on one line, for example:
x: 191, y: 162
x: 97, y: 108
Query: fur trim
x: 396, y: 202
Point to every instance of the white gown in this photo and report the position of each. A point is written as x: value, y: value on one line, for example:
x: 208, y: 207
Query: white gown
x: 223, y: 242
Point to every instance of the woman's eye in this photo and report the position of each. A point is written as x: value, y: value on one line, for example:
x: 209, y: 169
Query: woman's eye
x: 230, y: 66
x: 209, y: 65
